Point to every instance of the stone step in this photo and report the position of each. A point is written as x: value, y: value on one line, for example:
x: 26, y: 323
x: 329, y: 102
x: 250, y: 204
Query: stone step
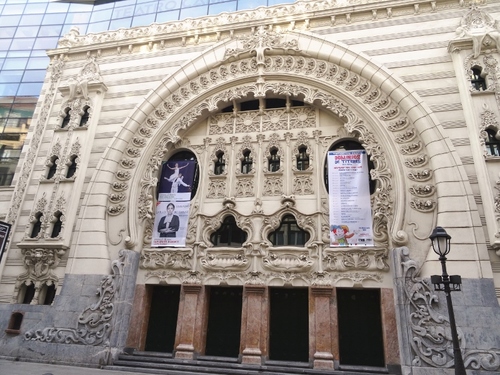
x: 164, y: 363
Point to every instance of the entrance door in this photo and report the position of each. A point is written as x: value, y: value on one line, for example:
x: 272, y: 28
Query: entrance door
x: 163, y: 318
x: 289, y: 324
x: 360, y: 327
x: 224, y: 321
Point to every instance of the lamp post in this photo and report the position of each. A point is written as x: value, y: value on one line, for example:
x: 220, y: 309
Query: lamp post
x: 441, y: 246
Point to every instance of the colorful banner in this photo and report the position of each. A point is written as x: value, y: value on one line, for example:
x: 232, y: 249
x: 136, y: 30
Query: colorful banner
x: 176, y: 181
x: 349, y: 191
x: 170, y: 226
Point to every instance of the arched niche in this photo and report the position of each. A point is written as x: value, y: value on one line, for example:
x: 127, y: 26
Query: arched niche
x: 388, y: 119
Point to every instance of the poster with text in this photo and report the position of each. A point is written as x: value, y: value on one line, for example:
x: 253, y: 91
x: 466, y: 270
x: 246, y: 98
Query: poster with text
x: 170, y: 226
x: 349, y: 195
x: 176, y: 180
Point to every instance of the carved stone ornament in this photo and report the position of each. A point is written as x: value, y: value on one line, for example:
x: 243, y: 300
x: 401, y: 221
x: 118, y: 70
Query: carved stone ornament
x: 178, y: 259
x: 478, y: 26
x: 89, y: 78
x: 288, y: 259
x: 94, y: 323
x: 355, y: 259
x: 488, y: 121
x: 76, y: 111
x: 39, y: 264
x: 431, y: 341
x: 224, y: 259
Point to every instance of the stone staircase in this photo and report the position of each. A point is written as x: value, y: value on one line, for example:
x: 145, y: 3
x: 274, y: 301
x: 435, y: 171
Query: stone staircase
x: 164, y: 363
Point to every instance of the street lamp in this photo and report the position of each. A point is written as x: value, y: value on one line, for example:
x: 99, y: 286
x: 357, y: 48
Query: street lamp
x: 441, y: 246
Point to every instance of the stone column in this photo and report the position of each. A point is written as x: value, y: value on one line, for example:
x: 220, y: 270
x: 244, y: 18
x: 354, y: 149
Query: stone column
x: 323, y: 327
x: 189, y: 323
x: 139, y: 318
x: 390, y: 328
x: 254, y: 324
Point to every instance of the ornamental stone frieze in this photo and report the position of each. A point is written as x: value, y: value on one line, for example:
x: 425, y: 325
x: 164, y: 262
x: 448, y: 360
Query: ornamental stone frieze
x: 288, y: 260
x: 342, y: 260
x: 224, y: 259
x: 175, y: 259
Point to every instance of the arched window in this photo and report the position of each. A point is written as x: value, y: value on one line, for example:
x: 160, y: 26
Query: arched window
x: 56, y: 228
x: 229, y: 234
x: 53, y: 167
x: 27, y: 293
x: 348, y: 146
x: 66, y: 118
x: 37, y: 225
x: 85, y: 117
x: 220, y: 163
x: 246, y: 162
x: 492, y: 143
x: 182, y: 157
x: 302, y: 159
x: 477, y: 81
x: 289, y: 233
x: 47, y: 294
x: 72, y: 167
x: 274, y: 160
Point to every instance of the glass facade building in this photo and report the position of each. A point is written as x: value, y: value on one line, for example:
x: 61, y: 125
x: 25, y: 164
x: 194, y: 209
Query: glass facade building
x: 29, y: 27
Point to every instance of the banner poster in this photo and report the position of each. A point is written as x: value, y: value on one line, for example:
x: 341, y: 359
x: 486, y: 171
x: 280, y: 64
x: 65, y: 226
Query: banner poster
x: 4, y: 236
x: 176, y: 180
x: 349, y: 195
x: 170, y: 226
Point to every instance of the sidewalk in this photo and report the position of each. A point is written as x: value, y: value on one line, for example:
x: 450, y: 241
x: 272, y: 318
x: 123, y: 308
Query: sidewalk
x: 34, y: 368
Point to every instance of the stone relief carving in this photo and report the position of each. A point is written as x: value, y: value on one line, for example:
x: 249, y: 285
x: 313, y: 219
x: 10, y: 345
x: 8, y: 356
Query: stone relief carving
x: 355, y: 259
x: 273, y: 186
x: 175, y: 259
x: 289, y: 260
x: 94, y: 323
x: 481, y: 28
x: 488, y: 121
x: 39, y: 209
x: 39, y: 264
x: 227, y: 259
x: 431, y: 341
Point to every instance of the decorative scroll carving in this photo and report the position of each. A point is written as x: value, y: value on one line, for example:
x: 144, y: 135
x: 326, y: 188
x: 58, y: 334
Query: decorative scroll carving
x: 244, y: 187
x: 422, y: 190
x: 283, y: 260
x: 273, y: 186
x: 216, y: 189
x: 166, y: 259
x: 224, y: 260
x: 488, y: 121
x: 94, y: 323
x: 423, y: 205
x: 432, y: 342
x: 302, y: 185
x: 355, y: 259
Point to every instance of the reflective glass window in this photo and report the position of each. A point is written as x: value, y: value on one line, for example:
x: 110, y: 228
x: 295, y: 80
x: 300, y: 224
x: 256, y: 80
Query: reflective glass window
x: 15, y: 63
x: 143, y: 20
x: 145, y: 8
x: 7, y: 32
x: 38, y: 62
x: 8, y: 89
x: 193, y: 3
x: 81, y: 27
x: 167, y: 5
x: 10, y: 20
x: 11, y: 76
x: 26, y: 31
x: 52, y: 30
x: 275, y: 2
x: 34, y: 8
x: 251, y: 4
x: 22, y: 44
x: 101, y: 15
x: 121, y: 23
x: 222, y: 7
x: 57, y: 8
x: 46, y: 43
x: 34, y: 75
x: 81, y: 17
x: 33, y: 19
x: 30, y: 89
x: 98, y: 27
x: 82, y: 7
x: 5, y: 44
x: 52, y: 19
x: 123, y: 12
x: 194, y: 12
x: 167, y: 16
x: 13, y: 9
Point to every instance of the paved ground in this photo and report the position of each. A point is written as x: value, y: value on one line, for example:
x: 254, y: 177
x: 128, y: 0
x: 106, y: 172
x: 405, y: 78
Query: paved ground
x: 32, y: 368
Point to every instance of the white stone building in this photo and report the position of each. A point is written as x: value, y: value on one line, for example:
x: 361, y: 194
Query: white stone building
x: 413, y: 83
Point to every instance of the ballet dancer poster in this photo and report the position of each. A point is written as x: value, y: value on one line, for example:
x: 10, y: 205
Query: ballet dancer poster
x: 176, y: 180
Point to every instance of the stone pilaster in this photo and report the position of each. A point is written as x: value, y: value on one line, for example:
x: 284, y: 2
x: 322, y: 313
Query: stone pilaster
x: 190, y: 322
x: 323, y: 326
x: 254, y: 324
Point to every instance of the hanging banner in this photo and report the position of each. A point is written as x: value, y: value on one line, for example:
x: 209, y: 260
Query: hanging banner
x: 170, y: 226
x: 176, y: 181
x: 4, y: 236
x: 349, y: 193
